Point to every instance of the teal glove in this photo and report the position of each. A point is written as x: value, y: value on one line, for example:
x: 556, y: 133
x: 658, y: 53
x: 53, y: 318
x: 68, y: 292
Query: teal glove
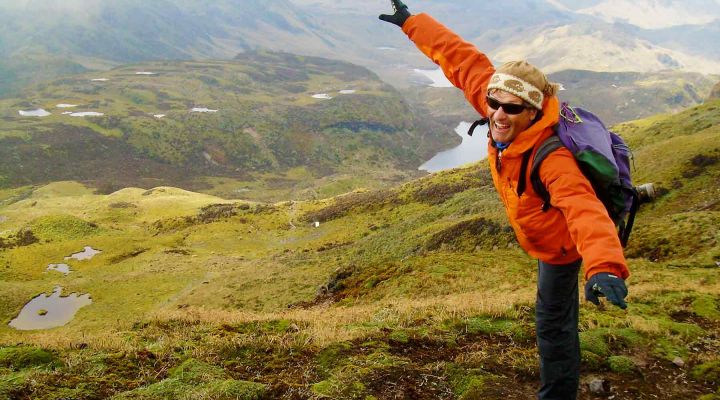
x: 401, y: 14
x: 608, y: 285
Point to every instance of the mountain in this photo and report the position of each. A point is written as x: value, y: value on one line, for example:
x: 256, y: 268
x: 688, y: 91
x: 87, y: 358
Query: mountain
x: 97, y: 34
x: 415, y: 291
x: 183, y: 123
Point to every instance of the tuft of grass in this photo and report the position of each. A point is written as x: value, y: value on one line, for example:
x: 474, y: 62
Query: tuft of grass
x: 622, y: 364
x: 709, y: 371
x: 18, y: 358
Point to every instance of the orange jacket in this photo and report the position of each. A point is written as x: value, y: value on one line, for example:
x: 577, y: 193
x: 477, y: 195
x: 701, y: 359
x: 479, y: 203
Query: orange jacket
x: 577, y: 225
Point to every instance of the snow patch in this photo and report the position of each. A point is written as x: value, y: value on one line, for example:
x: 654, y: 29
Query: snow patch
x: 87, y: 114
x: 347, y: 91
x: 34, y: 113
x: 203, y: 110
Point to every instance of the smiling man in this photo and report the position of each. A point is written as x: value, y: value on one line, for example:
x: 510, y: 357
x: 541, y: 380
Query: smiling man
x: 522, y: 108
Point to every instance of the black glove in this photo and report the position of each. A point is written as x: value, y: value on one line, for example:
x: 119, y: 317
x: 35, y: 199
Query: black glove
x: 401, y: 14
x: 608, y: 285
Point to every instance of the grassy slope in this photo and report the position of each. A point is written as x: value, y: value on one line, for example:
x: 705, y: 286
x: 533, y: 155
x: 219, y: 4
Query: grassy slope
x: 270, y: 138
x: 420, y: 286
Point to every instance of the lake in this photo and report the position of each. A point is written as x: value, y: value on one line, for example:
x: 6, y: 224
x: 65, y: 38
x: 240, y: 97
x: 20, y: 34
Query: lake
x: 472, y: 149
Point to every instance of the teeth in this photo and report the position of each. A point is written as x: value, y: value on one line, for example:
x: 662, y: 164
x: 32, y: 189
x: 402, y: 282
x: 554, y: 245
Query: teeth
x: 501, y: 126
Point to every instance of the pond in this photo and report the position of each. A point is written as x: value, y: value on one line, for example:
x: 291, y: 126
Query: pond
x: 86, y: 254
x: 44, y: 312
x: 203, y: 110
x: 472, y: 149
x: 62, y: 268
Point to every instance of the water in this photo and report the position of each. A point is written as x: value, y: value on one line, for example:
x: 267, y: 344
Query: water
x: 44, y: 312
x: 145, y: 73
x: 347, y: 91
x: 323, y: 96
x: 63, y: 105
x: 472, y: 149
x: 438, y: 78
x: 100, y: 80
x: 62, y: 268
x: 158, y: 116
x: 34, y: 113
x: 203, y: 110
x: 87, y: 114
x: 86, y: 254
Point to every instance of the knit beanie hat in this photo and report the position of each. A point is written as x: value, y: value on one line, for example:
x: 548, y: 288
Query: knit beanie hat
x: 525, y: 81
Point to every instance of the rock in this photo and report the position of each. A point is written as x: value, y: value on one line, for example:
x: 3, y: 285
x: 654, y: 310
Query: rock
x: 679, y: 362
x: 599, y: 386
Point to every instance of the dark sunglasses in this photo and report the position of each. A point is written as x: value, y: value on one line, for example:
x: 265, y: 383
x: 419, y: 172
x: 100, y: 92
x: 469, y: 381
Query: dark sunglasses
x: 509, y: 108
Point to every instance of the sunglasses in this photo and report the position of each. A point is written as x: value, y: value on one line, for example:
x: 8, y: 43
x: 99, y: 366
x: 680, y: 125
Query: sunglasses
x: 509, y: 108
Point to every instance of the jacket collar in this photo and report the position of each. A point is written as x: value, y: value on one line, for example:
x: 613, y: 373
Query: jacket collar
x: 538, y: 131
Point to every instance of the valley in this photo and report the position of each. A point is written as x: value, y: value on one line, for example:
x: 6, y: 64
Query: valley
x: 421, y: 285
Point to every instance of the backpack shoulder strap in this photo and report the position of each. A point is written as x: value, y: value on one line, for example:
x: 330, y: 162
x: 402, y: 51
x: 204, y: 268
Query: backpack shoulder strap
x: 548, y: 146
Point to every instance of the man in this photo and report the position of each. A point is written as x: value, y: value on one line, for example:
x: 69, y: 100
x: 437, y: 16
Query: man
x: 522, y: 108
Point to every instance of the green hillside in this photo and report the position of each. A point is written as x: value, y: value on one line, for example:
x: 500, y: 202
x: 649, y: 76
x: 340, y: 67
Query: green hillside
x: 413, y: 292
x: 266, y: 136
x: 624, y: 96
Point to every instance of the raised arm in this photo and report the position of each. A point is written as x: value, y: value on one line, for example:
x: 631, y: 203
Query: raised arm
x: 463, y: 64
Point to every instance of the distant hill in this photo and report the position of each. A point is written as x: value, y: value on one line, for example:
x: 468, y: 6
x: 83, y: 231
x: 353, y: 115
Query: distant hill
x: 254, y: 115
x: 715, y: 93
x: 625, y: 96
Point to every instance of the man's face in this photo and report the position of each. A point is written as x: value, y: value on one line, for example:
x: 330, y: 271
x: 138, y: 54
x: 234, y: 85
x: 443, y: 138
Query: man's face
x: 506, y: 127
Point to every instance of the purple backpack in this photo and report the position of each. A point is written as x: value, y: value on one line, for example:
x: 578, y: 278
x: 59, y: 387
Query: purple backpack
x: 602, y: 156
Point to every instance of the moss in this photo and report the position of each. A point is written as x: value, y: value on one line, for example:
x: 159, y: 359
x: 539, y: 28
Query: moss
x: 594, y: 341
x: 709, y: 371
x: 622, y: 364
x: 466, y: 383
x: 332, y: 356
x: 706, y: 307
x: 173, y: 388
x: 24, y: 357
x: 194, y: 371
x: 399, y: 336
x: 232, y: 390
x: 493, y: 326
x: 668, y: 350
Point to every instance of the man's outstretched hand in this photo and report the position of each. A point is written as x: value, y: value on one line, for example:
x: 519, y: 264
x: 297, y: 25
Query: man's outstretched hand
x: 401, y: 14
x: 608, y: 285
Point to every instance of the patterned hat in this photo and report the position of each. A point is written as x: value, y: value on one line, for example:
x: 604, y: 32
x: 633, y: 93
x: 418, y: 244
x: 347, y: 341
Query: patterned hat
x: 525, y: 81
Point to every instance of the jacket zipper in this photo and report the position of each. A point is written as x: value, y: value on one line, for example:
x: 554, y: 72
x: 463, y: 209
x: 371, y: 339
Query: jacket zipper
x: 498, y: 161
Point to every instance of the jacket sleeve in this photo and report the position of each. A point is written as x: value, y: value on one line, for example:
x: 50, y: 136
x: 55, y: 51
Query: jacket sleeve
x: 464, y: 65
x: 589, y: 224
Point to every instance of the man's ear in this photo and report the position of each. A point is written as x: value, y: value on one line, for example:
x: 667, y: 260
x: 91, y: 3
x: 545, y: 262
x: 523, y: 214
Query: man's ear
x: 534, y: 112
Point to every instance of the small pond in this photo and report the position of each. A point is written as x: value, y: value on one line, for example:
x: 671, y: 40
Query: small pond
x: 322, y: 96
x: 44, y: 312
x: 203, y: 110
x: 86, y: 254
x: 62, y: 268
x: 63, y: 105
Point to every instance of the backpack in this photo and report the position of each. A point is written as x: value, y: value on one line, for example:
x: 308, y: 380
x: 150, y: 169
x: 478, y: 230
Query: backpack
x: 603, y: 157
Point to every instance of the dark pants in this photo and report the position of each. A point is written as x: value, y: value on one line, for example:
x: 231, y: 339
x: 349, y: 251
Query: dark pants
x: 556, y: 318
